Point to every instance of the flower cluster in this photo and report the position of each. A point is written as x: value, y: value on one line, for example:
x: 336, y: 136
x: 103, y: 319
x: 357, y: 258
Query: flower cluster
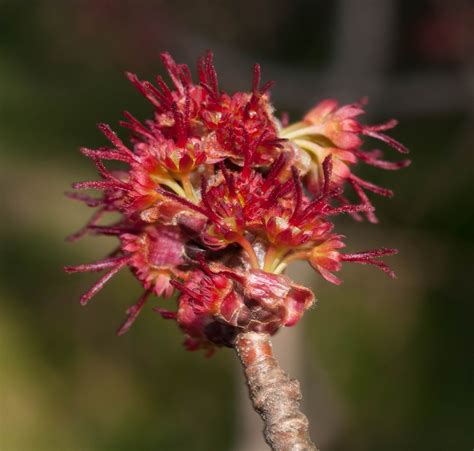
x: 217, y: 196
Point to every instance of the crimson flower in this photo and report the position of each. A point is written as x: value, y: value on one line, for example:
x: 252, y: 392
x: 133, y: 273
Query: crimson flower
x: 215, y: 197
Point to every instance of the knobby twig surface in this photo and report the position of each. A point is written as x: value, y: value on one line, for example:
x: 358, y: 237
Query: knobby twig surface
x: 274, y: 395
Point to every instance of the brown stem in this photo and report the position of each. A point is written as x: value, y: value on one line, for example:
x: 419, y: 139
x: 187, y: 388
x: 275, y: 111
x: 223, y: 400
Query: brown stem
x: 274, y: 395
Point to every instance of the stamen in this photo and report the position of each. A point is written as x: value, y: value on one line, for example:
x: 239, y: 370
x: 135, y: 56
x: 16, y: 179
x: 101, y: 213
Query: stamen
x: 212, y: 74
x: 278, y: 192
x: 298, y: 194
x: 365, y: 200
x: 386, y: 139
x: 81, y: 232
x: 97, y: 266
x: 201, y: 70
x: 371, y: 159
x: 209, y: 212
x: 136, y: 126
x: 200, y: 257
x: 274, y: 142
x: 267, y: 86
x: 184, y: 289
x: 111, y: 230
x: 144, y: 90
x: 372, y: 187
x: 229, y: 179
x: 181, y: 200
x: 348, y: 209
x: 105, y: 153
x: 344, y: 201
x: 373, y: 253
x: 275, y: 171
x: 319, y: 204
x: 173, y: 70
x: 100, y: 184
x: 369, y: 258
x: 86, y: 297
x: 88, y: 200
x: 167, y: 96
x: 165, y: 314
x: 185, y: 75
x: 208, y: 75
x: 180, y: 126
x: 132, y: 313
x: 164, y: 101
x: 104, y: 172
x: 114, y: 139
x: 256, y: 78
x: 381, y: 127
x: 250, y: 149
x: 187, y: 108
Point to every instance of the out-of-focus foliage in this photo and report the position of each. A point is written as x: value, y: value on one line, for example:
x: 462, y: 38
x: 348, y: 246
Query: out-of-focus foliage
x: 396, y: 356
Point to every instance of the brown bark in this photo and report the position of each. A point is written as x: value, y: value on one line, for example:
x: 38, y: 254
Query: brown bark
x: 273, y: 394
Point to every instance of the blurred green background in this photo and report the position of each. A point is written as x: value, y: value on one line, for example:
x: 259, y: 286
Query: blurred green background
x: 387, y: 365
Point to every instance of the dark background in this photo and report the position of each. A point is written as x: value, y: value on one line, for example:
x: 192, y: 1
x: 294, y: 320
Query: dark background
x: 388, y: 365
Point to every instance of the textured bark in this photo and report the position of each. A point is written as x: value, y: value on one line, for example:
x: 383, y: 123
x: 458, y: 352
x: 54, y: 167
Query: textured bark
x: 274, y: 395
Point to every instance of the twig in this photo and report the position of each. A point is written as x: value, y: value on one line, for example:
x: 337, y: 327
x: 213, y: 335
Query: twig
x: 273, y: 394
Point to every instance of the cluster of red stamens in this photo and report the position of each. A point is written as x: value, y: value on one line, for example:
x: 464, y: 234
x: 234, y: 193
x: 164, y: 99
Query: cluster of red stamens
x: 219, y: 196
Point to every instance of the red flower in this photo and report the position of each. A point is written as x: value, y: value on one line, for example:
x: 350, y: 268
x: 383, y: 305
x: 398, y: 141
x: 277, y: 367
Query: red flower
x: 326, y: 258
x: 217, y: 303
x: 156, y: 255
x: 330, y: 130
x: 215, y: 199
